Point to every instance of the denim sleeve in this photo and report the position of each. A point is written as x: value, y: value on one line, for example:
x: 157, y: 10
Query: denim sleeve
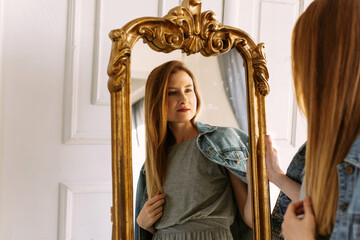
x: 296, y: 172
x: 141, y: 198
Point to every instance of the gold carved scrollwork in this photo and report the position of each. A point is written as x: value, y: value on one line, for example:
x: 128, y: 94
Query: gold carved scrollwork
x: 184, y: 27
x: 162, y: 38
x: 201, y: 32
x: 260, y: 70
x: 118, y: 61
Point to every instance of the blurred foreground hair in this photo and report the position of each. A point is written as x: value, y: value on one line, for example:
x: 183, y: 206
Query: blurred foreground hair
x: 326, y: 71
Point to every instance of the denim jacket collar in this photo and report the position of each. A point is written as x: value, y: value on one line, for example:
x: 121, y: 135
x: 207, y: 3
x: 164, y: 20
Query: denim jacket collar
x: 204, y: 128
x: 353, y: 156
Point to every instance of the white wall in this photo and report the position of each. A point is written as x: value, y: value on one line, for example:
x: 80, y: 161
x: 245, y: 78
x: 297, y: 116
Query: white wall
x: 55, y: 162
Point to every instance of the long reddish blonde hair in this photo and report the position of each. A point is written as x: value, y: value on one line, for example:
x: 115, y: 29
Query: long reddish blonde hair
x: 158, y: 135
x: 326, y: 71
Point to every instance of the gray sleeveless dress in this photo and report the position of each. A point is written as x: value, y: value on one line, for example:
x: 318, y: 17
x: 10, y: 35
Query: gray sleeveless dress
x: 199, y: 203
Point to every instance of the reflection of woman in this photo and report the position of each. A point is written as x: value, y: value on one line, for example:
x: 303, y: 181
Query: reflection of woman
x: 326, y: 69
x: 192, y: 169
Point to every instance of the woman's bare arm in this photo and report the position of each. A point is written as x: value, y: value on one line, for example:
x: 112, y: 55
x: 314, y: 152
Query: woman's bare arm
x: 242, y: 194
x: 275, y: 175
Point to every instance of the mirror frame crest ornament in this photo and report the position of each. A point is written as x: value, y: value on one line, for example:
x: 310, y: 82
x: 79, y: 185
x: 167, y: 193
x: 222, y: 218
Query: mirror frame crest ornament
x: 187, y: 28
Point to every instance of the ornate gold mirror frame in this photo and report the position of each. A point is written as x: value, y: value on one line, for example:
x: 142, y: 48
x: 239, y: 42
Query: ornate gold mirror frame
x: 186, y: 28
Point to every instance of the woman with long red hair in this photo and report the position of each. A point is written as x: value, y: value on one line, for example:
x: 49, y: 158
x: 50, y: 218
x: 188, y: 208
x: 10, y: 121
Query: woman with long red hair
x: 193, y: 171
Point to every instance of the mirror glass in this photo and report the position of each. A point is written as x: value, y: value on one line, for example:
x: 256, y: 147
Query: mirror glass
x: 222, y: 87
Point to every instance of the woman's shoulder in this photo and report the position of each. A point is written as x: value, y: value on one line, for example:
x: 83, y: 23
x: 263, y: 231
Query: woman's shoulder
x: 223, y: 137
x: 231, y: 130
x: 220, y: 130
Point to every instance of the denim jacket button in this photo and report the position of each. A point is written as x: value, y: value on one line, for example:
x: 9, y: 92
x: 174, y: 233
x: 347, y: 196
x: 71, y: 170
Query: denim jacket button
x: 349, y: 170
x: 344, y: 206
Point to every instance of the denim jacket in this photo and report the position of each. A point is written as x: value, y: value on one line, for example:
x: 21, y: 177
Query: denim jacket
x: 347, y: 220
x: 225, y: 146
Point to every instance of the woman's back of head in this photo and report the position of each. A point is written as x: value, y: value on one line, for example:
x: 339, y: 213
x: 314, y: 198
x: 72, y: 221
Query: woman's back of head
x: 326, y: 70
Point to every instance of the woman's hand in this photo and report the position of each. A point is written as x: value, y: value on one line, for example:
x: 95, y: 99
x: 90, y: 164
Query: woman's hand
x: 274, y: 171
x: 294, y: 227
x: 151, y: 212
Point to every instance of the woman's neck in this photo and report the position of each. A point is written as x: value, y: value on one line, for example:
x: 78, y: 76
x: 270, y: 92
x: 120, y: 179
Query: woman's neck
x: 183, y: 131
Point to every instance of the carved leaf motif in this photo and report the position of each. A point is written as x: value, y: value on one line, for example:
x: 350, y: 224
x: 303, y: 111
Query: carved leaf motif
x: 260, y: 69
x: 160, y: 37
x: 209, y: 24
x: 200, y: 32
x: 120, y: 64
x: 193, y: 44
x: 172, y: 40
x: 181, y: 17
x: 147, y: 33
x: 119, y: 57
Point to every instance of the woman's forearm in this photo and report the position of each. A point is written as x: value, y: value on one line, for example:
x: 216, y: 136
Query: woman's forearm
x: 248, y: 216
x: 243, y: 198
x: 290, y: 187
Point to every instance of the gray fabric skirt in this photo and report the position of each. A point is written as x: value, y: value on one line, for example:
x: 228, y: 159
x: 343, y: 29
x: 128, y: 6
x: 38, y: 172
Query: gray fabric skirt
x: 193, y: 231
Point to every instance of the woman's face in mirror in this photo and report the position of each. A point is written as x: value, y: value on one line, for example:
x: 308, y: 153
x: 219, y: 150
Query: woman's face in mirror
x: 181, y: 98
